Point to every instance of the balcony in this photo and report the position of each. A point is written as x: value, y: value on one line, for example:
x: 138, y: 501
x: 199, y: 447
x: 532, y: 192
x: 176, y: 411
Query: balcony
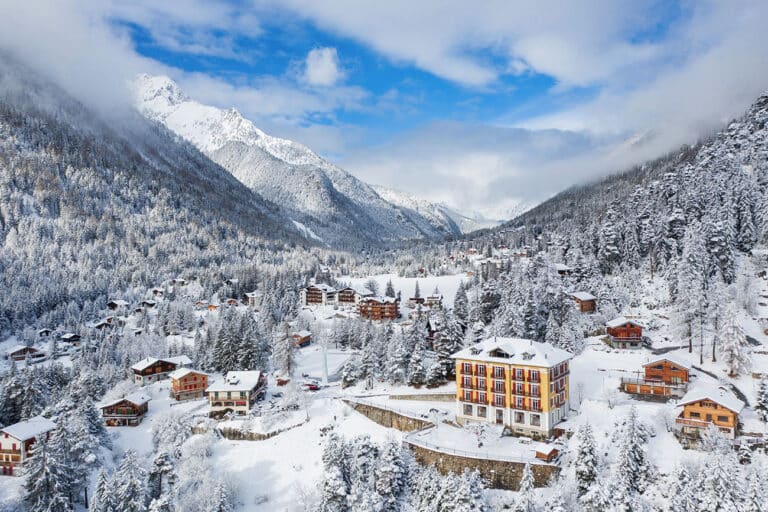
x: 473, y: 386
x: 689, y: 422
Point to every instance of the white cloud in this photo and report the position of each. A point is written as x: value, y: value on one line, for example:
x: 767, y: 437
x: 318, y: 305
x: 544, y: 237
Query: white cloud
x: 321, y: 67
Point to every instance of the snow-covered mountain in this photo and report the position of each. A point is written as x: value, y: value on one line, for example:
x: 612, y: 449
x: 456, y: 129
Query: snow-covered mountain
x: 327, y: 201
x: 436, y: 213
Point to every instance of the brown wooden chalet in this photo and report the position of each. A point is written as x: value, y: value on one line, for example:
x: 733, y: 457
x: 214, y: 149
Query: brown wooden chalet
x: 125, y: 412
x: 379, y: 308
x: 187, y: 384
x: 586, y: 302
x: 624, y: 333
x: 318, y: 294
x: 302, y: 338
x: 17, y: 442
x: 152, y: 369
x: 707, y: 405
x: 23, y: 352
x: 662, y: 378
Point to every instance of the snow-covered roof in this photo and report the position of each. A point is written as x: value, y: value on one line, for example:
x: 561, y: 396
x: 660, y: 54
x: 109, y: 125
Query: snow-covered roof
x: 517, y: 351
x: 118, y: 302
x: 29, y: 429
x: 135, y: 398
x: 322, y: 286
x: 583, y: 296
x: 303, y: 333
x: 183, y: 372
x: 560, y: 267
x: 715, y: 394
x: 149, y: 361
x: 621, y: 320
x: 69, y: 336
x: 673, y: 360
x: 253, y: 294
x: 19, y: 348
x: 237, y: 381
x: 383, y: 300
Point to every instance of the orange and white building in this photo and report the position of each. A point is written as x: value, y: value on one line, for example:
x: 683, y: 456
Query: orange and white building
x: 708, y: 405
x: 188, y: 384
x: 519, y: 383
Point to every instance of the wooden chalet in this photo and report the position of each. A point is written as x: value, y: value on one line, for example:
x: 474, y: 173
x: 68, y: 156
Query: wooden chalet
x: 352, y: 295
x: 231, y: 302
x: 148, y: 303
x: 70, y: 337
x: 17, y: 442
x: 125, y: 412
x: 562, y: 270
x: 212, y: 307
x: 302, y: 338
x: 434, y: 301
x: 412, y: 302
x: 705, y: 406
x: 201, y: 304
x: 152, y: 369
x: 663, y: 378
x: 44, y: 333
x: 187, y: 384
x: 236, y: 394
x: 158, y: 292
x: 379, y: 308
x: 179, y: 282
x: 117, y: 304
x: 23, y: 352
x: 586, y: 302
x: 624, y: 333
x: 253, y: 299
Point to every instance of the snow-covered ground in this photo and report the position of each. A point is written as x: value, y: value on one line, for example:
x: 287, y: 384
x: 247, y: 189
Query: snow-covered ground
x: 447, y: 285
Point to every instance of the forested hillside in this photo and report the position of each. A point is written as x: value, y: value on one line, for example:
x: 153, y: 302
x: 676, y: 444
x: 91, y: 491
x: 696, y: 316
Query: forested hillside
x: 88, y: 208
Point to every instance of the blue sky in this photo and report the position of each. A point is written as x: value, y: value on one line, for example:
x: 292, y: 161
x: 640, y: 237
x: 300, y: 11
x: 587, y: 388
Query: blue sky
x: 481, y: 105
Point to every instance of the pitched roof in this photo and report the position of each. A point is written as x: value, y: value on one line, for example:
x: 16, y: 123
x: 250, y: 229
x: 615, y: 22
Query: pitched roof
x: 135, y: 398
x: 118, y: 302
x: 518, y: 351
x: 29, y: 429
x: 18, y: 348
x: 382, y: 300
x: 673, y: 360
x: 583, y: 296
x: 149, y: 361
x: 560, y: 267
x: 715, y: 394
x: 322, y: 286
x: 302, y: 334
x: 183, y: 372
x: 621, y: 320
x: 237, y: 381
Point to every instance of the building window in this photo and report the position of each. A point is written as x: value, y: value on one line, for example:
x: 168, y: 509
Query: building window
x: 498, y: 372
x: 536, y: 404
x: 467, y: 410
x: 498, y: 400
x: 535, y: 389
x: 481, y: 383
x: 724, y: 419
x: 534, y: 375
x: 468, y: 396
x: 536, y: 420
x: 242, y: 394
x: 498, y: 386
x: 467, y: 382
x: 695, y: 415
x: 481, y: 370
x: 519, y: 389
x: 481, y: 397
x: 519, y: 374
x: 519, y: 402
x: 519, y: 417
x: 467, y: 368
x: 482, y: 412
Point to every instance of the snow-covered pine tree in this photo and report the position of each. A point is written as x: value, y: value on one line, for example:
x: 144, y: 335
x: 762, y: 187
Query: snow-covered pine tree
x: 102, y: 500
x: 585, y: 462
x: 526, y: 500
x: 389, y: 477
x: 761, y: 401
x: 284, y: 354
x: 681, y: 495
x: 46, y: 484
x: 417, y: 374
x: 129, y: 489
x: 734, y: 349
x: 717, y: 489
x: 755, y: 498
x: 221, y: 498
x: 461, y: 304
x: 389, y: 290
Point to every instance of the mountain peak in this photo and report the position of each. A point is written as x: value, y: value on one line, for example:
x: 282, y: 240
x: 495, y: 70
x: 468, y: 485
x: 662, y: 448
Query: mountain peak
x: 159, y: 88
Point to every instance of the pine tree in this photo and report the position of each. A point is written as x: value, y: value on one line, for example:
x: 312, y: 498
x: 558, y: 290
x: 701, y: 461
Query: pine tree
x: 389, y: 290
x: 284, y: 355
x: 102, y: 498
x: 755, y: 499
x: 46, y: 485
x: 733, y: 344
x: 416, y: 291
x: 468, y: 495
x: 461, y: 303
x: 435, y: 375
x: 586, y: 460
x: 417, y: 375
x: 761, y: 403
x: 389, y: 477
x: 221, y: 499
x: 397, y: 360
x: 129, y: 484
x: 718, y: 490
x: 160, y: 473
x: 526, y: 501
x: 681, y: 494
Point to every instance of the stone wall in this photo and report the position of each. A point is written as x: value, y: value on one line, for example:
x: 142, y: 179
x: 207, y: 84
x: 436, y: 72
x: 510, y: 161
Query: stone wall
x: 234, y: 434
x: 388, y: 417
x: 497, y: 474
x: 427, y: 397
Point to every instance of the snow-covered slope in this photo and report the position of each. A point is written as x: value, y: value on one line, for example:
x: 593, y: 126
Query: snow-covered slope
x: 337, y: 207
x: 436, y: 213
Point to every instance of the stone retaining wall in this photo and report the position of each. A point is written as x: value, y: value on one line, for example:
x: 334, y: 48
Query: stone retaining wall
x: 234, y: 434
x: 497, y: 474
x: 388, y: 417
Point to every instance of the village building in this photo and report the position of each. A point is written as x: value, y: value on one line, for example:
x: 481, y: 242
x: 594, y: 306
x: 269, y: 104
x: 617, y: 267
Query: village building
x: 179, y: 282
x: 148, y: 303
x: 17, y: 442
x: 253, y: 299
x: 519, y: 383
x: 709, y: 405
x: 187, y: 384
x: 379, y: 308
x: 318, y: 295
x: 434, y: 302
x: 624, y: 333
x: 662, y: 378
x: 412, y: 302
x: 236, y: 394
x: 70, y: 337
x: 232, y: 302
x: 23, y: 352
x: 352, y: 295
x: 586, y: 302
x: 117, y: 304
x: 302, y: 338
x: 562, y: 269
x: 44, y: 333
x: 152, y: 369
x: 158, y: 292
x: 212, y: 307
x: 128, y: 411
